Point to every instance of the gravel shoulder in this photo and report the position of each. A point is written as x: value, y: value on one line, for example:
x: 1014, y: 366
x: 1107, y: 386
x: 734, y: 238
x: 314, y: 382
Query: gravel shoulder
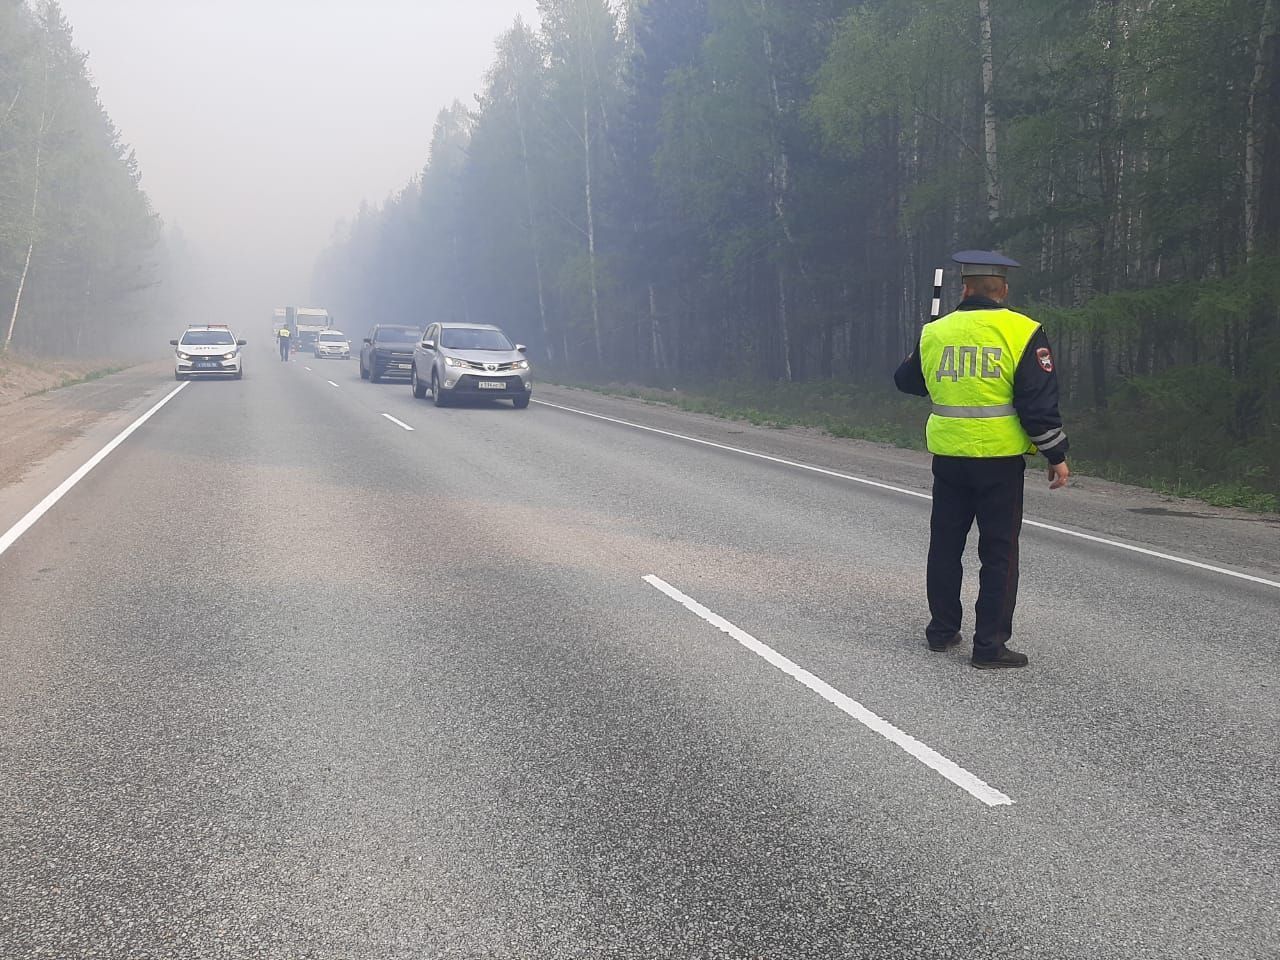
x: 33, y: 428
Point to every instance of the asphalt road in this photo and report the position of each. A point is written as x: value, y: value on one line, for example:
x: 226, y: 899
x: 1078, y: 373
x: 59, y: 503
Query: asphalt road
x: 280, y: 678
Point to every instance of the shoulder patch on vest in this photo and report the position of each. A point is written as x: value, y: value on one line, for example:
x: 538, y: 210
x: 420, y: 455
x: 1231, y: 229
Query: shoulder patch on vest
x: 1045, y: 358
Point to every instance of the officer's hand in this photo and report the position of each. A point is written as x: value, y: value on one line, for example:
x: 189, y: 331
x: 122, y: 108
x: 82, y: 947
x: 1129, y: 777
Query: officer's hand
x: 1058, y: 474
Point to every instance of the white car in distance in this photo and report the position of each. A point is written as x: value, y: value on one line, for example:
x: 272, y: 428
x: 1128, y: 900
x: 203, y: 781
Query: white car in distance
x: 332, y: 343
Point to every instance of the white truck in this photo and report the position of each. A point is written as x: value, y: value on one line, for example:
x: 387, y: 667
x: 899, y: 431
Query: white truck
x: 306, y: 324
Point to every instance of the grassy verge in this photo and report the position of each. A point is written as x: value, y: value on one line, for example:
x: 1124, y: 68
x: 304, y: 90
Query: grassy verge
x: 70, y: 380
x: 101, y: 372
x: 22, y: 377
x: 839, y: 409
x: 1101, y: 448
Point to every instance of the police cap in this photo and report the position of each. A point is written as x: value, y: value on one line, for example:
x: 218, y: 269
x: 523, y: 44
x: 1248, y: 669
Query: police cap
x: 984, y: 263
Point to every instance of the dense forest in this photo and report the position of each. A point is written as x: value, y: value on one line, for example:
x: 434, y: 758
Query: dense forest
x: 80, y: 248
x: 749, y: 189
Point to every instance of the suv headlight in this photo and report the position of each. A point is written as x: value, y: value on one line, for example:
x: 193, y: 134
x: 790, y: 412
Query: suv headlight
x: 520, y: 365
x: 455, y: 362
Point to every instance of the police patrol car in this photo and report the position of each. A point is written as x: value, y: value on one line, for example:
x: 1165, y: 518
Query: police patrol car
x: 209, y: 350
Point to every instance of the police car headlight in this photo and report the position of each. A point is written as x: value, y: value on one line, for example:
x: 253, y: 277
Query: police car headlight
x: 183, y: 356
x: 229, y: 356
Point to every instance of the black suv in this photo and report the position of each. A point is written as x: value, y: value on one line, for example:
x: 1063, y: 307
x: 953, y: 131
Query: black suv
x: 388, y: 351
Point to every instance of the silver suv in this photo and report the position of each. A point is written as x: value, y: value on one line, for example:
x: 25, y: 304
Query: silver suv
x: 467, y: 361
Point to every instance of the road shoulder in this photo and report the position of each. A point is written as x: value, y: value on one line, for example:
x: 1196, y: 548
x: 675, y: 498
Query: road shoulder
x: 1234, y: 538
x: 46, y: 437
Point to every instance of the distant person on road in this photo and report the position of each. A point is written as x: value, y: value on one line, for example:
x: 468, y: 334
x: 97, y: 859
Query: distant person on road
x: 991, y: 376
x: 282, y: 336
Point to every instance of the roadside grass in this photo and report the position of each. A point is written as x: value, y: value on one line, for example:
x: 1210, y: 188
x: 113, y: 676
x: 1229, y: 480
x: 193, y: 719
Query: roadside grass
x: 1102, y: 447
x: 23, y: 376
x: 839, y: 409
x: 98, y: 374
x: 68, y: 380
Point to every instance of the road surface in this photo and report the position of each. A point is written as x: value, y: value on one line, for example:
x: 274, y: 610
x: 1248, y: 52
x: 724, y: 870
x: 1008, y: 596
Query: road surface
x: 281, y: 677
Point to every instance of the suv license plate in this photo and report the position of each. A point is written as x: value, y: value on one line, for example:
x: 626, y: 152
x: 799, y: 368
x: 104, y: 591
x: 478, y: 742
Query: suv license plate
x: 492, y: 385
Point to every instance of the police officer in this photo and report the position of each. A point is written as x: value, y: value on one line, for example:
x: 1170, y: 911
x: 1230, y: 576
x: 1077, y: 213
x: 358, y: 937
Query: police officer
x: 990, y: 374
x: 282, y: 336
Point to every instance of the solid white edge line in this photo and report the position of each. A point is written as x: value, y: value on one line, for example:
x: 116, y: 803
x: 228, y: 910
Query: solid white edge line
x: 739, y: 450
x: 1117, y: 544
x: 331, y: 383
x: 1184, y: 561
x: 962, y: 778
x: 398, y: 423
x: 11, y: 535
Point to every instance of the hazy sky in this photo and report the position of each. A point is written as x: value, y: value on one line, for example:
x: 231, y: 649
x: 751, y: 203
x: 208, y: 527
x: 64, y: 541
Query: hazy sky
x: 260, y: 123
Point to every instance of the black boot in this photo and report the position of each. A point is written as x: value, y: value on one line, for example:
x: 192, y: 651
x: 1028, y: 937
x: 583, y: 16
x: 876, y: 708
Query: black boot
x: 1004, y: 659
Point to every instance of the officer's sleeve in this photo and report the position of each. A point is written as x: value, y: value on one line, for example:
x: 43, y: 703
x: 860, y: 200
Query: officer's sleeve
x: 1035, y: 397
x: 909, y: 376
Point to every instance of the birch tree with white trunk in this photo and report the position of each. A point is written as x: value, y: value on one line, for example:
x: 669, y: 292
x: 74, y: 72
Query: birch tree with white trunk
x: 42, y: 131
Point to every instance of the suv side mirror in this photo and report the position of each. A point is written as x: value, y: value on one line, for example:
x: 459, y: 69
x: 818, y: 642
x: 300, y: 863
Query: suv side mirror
x: 173, y: 343
x: 521, y: 348
x: 367, y: 340
x: 429, y: 344
x: 241, y: 343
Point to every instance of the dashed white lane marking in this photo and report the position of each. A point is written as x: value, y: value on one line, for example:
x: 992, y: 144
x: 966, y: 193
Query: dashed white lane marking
x: 935, y: 761
x: 1038, y: 524
x: 331, y: 383
x: 40, y: 509
x: 306, y: 368
x: 398, y: 423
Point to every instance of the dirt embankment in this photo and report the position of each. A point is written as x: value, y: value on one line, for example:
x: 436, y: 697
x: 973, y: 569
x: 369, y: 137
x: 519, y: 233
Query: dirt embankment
x: 37, y: 419
x: 24, y: 376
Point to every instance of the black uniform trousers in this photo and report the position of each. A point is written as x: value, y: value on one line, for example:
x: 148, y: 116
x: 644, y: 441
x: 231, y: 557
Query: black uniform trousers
x: 284, y: 347
x: 990, y: 490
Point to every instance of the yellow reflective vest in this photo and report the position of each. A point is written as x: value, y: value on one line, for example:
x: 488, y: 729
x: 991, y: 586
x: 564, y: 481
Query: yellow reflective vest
x: 969, y: 359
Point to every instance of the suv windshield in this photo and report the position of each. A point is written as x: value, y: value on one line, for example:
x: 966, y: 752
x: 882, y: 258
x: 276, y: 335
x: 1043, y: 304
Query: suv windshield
x: 207, y: 338
x: 462, y: 338
x: 397, y: 335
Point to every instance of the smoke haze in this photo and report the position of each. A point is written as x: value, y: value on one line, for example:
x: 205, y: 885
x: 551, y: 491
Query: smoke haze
x: 259, y: 124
